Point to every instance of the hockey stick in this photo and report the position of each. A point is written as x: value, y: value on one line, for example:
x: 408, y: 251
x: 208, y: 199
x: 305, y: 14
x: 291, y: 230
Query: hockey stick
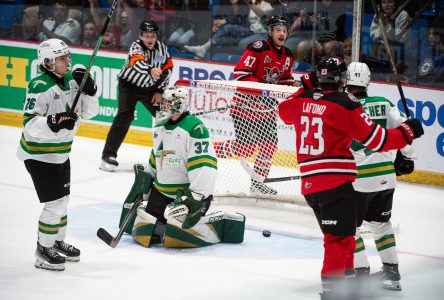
x: 390, y: 57
x: 263, y: 179
x: 212, y: 110
x: 113, y: 241
x: 94, y: 54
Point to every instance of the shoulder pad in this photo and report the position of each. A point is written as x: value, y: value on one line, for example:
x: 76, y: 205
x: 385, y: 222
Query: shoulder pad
x: 40, y: 84
x: 258, y: 46
x: 196, y: 129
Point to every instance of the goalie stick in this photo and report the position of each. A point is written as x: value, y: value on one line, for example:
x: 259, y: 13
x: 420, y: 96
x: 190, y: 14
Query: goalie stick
x: 113, y: 241
x: 263, y: 179
x: 94, y: 54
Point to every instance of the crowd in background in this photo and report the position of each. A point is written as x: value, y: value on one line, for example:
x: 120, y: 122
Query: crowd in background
x: 219, y: 30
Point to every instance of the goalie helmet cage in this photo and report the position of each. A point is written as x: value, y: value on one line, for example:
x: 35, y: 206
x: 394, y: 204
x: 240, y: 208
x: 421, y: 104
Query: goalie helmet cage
x: 267, y: 153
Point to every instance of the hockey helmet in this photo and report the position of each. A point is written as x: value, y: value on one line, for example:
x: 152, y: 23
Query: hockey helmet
x: 174, y: 101
x: 277, y: 20
x: 149, y: 26
x: 49, y: 50
x: 331, y: 70
x: 358, y: 74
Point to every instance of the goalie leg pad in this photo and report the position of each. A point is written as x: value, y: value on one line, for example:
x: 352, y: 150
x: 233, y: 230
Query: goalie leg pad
x: 218, y: 227
x: 144, y: 225
x: 142, y: 185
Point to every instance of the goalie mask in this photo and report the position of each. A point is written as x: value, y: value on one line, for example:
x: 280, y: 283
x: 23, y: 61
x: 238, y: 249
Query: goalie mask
x: 49, y: 50
x: 175, y: 101
x: 358, y: 74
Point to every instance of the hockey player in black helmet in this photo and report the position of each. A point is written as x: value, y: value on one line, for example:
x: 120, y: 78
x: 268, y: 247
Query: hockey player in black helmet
x: 331, y: 73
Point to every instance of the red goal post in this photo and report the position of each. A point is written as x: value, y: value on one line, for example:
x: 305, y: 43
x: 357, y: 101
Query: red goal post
x: 242, y: 120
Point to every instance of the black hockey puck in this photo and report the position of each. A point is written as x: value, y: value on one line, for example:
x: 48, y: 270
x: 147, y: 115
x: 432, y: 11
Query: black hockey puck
x: 266, y: 233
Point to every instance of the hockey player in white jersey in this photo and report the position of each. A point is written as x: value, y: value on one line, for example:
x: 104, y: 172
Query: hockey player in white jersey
x: 376, y: 180
x: 183, y: 171
x: 45, y: 144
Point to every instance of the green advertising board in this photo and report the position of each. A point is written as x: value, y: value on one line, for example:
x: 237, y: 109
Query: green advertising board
x: 19, y: 64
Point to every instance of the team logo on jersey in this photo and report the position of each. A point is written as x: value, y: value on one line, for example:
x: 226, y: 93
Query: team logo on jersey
x: 200, y: 127
x: 159, y: 58
x: 267, y: 59
x: 37, y: 82
x: 257, y: 45
x: 56, y: 96
x: 272, y: 75
x: 308, y: 185
x: 162, y: 153
x: 173, y: 162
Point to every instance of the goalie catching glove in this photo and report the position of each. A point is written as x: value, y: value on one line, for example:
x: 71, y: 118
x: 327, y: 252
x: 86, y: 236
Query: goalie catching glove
x: 186, y: 210
x: 90, y: 87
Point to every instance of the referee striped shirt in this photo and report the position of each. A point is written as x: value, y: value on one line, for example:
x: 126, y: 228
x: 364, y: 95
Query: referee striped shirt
x: 141, y: 60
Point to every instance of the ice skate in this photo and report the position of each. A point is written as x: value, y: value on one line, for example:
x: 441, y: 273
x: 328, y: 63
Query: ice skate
x: 109, y: 164
x: 47, y: 258
x: 199, y: 51
x: 389, y: 277
x: 362, y: 273
x: 261, y: 188
x: 70, y: 252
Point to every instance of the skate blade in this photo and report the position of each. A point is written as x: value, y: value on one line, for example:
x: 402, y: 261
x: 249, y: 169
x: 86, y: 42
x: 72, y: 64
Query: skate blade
x: 72, y: 258
x: 43, y: 264
x: 391, y: 285
x: 107, y: 167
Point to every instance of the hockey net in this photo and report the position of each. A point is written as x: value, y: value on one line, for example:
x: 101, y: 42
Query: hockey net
x: 243, y: 123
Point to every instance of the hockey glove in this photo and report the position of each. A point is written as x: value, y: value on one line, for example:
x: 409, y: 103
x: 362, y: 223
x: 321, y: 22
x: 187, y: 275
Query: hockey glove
x: 62, y: 120
x: 403, y: 164
x: 412, y: 129
x: 186, y: 210
x: 90, y: 87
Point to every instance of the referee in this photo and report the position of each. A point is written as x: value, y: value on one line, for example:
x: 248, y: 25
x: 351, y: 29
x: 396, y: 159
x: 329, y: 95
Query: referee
x: 143, y: 77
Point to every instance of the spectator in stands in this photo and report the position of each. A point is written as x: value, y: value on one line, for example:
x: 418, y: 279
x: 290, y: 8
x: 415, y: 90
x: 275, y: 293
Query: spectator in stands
x: 348, y: 50
x: 89, y: 34
x: 431, y: 67
x: 255, y: 31
x: 396, y: 31
x: 230, y: 22
x: 126, y: 23
x: 31, y: 22
x: 395, y: 26
x: 61, y: 26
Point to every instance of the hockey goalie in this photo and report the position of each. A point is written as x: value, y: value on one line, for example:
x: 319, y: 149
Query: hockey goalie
x: 178, y: 184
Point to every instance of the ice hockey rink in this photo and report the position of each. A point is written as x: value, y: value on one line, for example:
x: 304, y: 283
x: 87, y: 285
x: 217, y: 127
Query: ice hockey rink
x: 283, y: 266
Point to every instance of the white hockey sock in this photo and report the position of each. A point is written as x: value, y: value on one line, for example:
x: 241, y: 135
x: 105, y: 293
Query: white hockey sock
x: 385, y: 241
x: 49, y: 221
x: 360, y: 257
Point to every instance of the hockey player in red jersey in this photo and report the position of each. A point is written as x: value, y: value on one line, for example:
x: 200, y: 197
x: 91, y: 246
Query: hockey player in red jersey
x: 326, y: 121
x: 266, y: 61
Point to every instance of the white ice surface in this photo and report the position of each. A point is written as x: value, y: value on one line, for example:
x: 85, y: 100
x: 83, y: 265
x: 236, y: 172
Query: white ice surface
x: 284, y: 266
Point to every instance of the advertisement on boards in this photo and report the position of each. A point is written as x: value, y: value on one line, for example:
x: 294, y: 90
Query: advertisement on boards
x: 18, y: 64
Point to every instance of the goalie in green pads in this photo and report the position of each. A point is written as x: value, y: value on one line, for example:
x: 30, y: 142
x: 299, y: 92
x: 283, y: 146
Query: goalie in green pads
x: 183, y: 166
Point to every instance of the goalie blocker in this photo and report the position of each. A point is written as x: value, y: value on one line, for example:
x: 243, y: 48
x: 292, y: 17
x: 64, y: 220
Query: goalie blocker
x: 185, y: 227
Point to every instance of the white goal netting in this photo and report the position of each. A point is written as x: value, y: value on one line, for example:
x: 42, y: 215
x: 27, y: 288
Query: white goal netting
x: 243, y: 123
